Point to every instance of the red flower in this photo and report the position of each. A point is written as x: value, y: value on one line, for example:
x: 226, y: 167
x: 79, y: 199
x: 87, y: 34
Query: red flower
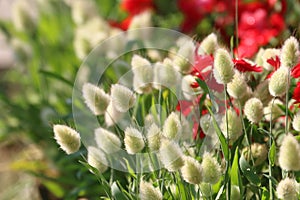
x: 124, y: 25
x: 134, y: 7
x: 194, y: 11
x: 296, y: 94
x: 296, y: 71
x: 244, y: 66
x: 274, y: 63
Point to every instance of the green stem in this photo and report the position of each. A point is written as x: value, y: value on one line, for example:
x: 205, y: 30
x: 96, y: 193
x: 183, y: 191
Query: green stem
x: 228, y: 149
x: 270, y: 145
x: 286, y: 103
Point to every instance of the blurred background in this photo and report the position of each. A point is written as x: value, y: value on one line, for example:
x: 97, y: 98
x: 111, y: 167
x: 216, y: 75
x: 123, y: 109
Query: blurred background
x: 43, y: 43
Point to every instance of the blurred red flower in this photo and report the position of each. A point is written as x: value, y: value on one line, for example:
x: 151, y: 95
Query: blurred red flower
x: 296, y: 94
x: 134, y: 7
x: 244, y: 66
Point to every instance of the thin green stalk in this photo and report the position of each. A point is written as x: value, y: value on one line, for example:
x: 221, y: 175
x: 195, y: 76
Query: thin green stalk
x: 236, y: 23
x: 228, y: 149
x: 245, y: 132
x: 286, y: 103
x: 270, y: 144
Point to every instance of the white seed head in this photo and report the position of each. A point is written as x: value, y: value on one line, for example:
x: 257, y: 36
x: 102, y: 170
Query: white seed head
x: 268, y: 54
x: 238, y: 86
x: 259, y: 153
x: 278, y: 81
x: 211, y: 169
x: 171, y: 155
x: 262, y: 92
x: 290, y: 52
x: 259, y: 57
x: 253, y: 110
x: 149, y: 192
x: 112, y: 115
x: 189, y: 92
x: 223, y: 67
x: 185, y: 57
x: 140, y: 21
x: 206, y: 189
x: 165, y: 75
x: 287, y: 189
x: 107, y: 141
x: 234, y: 126
x: 24, y: 15
x: 142, y: 74
x: 289, y: 154
x: 133, y: 140
x: 208, y: 45
x: 191, y: 171
x: 172, y: 128
x: 122, y: 98
x: 83, y: 10
x: 296, y: 121
x: 275, y: 110
x: 97, y: 159
x: 67, y: 138
x: 95, y: 98
x: 154, y: 137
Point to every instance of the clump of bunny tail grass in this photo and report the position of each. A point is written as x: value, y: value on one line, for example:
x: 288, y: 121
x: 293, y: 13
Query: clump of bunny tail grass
x: 149, y: 192
x: 290, y: 52
x: 237, y: 87
x: 223, y: 66
x: 107, y: 141
x: 191, y: 171
x: 97, y: 159
x: 185, y: 57
x: 289, y: 154
x: 233, y: 124
x: 172, y: 128
x: 189, y: 92
x: 259, y: 153
x: 208, y: 45
x: 211, y: 169
x: 112, y: 115
x: 253, y: 110
x: 122, y: 98
x: 154, y: 137
x: 67, y: 138
x: 133, y: 140
x: 287, y: 189
x: 95, y: 98
x: 171, y: 155
x: 278, y: 81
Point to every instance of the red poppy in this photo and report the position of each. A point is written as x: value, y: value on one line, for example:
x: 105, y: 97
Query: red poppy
x: 134, y: 7
x: 296, y: 71
x: 244, y: 66
x: 296, y: 94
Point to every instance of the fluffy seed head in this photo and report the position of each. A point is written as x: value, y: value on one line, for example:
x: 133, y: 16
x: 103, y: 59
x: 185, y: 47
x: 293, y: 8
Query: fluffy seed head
x: 237, y: 87
x: 289, y: 154
x: 172, y: 128
x: 211, y: 169
x: 296, y: 121
x: 95, y: 98
x: 165, y: 75
x: 142, y: 74
x: 148, y: 191
x: 83, y: 10
x: 290, y: 52
x: 287, y: 189
x: 97, y: 159
x: 112, y: 115
x: 189, y: 92
x: 107, y: 141
x: 185, y: 56
x: 278, y: 81
x: 208, y: 45
x: 133, y: 140
x: 253, y: 110
x: 259, y: 153
x: 191, y: 171
x: 234, y: 125
x: 122, y: 98
x: 154, y: 137
x: 67, y: 138
x: 275, y: 110
x: 262, y: 92
x: 171, y: 155
x: 223, y: 67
